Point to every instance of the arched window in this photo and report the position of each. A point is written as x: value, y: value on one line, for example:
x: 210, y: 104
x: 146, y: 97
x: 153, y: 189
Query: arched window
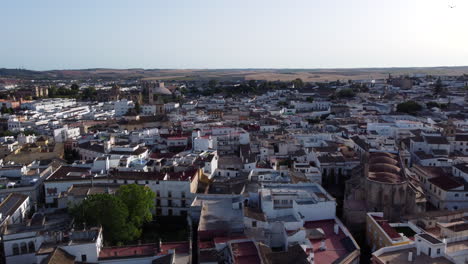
x: 24, y: 248
x: 31, y: 247
x: 15, y: 249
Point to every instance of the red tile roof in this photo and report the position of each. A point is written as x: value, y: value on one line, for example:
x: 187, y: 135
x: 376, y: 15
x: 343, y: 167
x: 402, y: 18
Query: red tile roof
x: 129, y: 251
x: 391, y: 232
x: 335, y: 248
x: 446, y: 182
x: 245, y: 253
x: 179, y: 247
x: 161, y: 155
x: 182, y: 175
x: 227, y: 238
x: 69, y: 173
x: 206, y: 244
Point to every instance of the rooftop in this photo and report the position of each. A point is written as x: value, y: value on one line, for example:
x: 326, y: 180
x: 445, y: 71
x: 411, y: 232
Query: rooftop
x: 11, y: 204
x: 338, y: 245
x: 69, y: 173
x: 129, y: 251
x: 245, y: 253
x: 401, y: 257
x: 385, y: 167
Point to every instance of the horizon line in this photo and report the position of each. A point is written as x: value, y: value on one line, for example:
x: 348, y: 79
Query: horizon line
x: 239, y: 68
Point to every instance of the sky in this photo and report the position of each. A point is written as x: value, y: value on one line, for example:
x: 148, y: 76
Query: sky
x: 208, y: 34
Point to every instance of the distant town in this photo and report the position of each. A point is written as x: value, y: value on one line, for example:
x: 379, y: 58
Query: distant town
x: 233, y: 167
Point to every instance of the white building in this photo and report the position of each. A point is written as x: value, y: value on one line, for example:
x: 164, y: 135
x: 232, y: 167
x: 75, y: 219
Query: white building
x: 64, y: 133
x: 121, y: 107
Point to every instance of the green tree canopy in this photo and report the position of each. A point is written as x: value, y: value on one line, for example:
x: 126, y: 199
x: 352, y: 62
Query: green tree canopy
x: 438, y: 86
x: 345, y: 93
x: 298, y: 83
x: 212, y: 83
x: 139, y: 201
x: 89, y: 93
x: 432, y: 104
x: 108, y: 211
x: 75, y: 87
x: 121, y: 215
x: 410, y: 107
x: 137, y: 108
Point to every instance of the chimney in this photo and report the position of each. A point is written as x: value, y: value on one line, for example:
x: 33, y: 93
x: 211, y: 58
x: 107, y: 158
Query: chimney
x: 336, y: 229
x: 410, y: 256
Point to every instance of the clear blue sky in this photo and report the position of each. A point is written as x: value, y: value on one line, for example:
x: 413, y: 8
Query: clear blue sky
x: 62, y: 34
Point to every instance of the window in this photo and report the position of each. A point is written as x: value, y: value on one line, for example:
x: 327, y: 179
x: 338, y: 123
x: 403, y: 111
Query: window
x: 456, y: 195
x: 169, y: 194
x: 275, y: 201
x: 169, y: 212
x: 136, y: 181
x: 284, y: 202
x: 158, y: 202
x: 182, y: 194
x: 15, y: 249
x: 31, y: 247
x: 24, y: 248
x: 158, y: 194
x: 254, y: 223
x: 169, y: 203
x: 183, y: 203
x: 147, y: 182
x: 438, y: 251
x: 84, y: 258
x: 125, y: 181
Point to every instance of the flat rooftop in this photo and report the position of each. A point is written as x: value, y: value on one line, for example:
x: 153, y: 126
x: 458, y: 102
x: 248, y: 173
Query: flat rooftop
x: 401, y: 257
x: 245, y: 253
x: 338, y: 245
x: 129, y: 251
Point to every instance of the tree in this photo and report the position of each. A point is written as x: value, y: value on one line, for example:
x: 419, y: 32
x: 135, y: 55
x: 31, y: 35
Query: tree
x: 345, y: 93
x: 432, y: 104
x: 438, y: 87
x: 89, y: 93
x: 139, y: 201
x: 75, y: 87
x: 6, y: 110
x: 253, y: 84
x: 121, y: 215
x: 52, y: 91
x: 410, y: 107
x: 298, y: 83
x: 184, y: 90
x: 70, y: 155
x: 212, y: 84
x: 137, y: 108
x: 108, y: 211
